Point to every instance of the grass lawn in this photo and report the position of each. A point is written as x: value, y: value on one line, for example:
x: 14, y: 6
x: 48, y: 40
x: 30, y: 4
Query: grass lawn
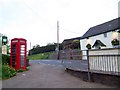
x: 39, y: 56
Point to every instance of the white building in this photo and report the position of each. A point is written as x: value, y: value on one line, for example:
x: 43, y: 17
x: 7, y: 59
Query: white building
x: 102, y: 56
x: 100, y: 36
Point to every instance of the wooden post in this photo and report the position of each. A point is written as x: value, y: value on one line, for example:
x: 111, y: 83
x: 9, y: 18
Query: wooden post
x: 89, y: 76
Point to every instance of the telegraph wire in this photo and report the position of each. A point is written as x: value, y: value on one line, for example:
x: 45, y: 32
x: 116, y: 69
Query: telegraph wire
x: 69, y: 31
x: 36, y: 13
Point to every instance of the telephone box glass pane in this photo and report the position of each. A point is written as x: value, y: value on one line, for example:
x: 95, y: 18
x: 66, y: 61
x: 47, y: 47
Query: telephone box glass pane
x: 14, y: 55
x: 22, y: 54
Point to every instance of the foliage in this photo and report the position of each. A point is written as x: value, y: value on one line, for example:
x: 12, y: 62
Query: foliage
x: 20, y: 70
x: 88, y: 46
x: 76, y: 44
x: 115, y: 42
x: 43, y: 49
x: 0, y: 71
x: 36, y: 46
x: 50, y: 44
x: 7, y: 71
x: 5, y: 59
x: 27, y: 68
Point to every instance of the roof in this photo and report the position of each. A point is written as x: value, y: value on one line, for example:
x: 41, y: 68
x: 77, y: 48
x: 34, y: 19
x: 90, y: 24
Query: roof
x: 102, y: 28
x: 71, y: 39
x: 98, y: 43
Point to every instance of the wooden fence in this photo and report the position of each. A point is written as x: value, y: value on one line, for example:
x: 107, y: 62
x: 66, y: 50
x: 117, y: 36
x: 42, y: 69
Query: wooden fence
x: 106, y: 61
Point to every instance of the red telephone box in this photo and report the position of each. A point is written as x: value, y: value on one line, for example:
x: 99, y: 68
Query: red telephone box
x: 18, y: 53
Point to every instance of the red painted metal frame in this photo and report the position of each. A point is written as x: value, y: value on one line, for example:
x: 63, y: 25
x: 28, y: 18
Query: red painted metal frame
x: 18, y: 43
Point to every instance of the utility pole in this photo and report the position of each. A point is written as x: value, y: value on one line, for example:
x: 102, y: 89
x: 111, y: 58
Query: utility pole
x: 58, y: 40
x: 30, y: 49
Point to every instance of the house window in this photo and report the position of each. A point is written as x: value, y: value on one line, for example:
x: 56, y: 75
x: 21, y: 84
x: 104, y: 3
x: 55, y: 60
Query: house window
x: 105, y: 35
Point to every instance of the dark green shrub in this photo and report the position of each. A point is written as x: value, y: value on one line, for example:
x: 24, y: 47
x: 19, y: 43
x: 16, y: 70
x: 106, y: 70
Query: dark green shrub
x: 28, y: 68
x: 5, y: 59
x: 20, y: 70
x: 7, y: 71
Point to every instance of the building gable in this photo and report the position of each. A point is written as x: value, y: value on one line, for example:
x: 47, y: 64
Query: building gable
x: 102, y: 28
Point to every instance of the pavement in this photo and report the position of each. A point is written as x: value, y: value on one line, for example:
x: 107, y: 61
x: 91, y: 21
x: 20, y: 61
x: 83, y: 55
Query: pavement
x: 43, y: 75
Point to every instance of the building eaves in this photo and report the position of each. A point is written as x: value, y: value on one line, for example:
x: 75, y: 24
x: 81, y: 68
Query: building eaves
x: 102, y: 28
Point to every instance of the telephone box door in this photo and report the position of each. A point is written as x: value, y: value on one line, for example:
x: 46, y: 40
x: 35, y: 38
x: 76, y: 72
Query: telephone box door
x: 23, y: 56
x: 14, y: 55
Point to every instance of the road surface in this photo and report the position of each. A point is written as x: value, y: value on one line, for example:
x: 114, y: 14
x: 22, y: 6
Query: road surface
x: 44, y: 75
x: 74, y: 64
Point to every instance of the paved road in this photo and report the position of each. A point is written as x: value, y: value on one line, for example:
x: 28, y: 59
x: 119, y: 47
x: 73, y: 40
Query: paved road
x: 57, y: 63
x: 76, y: 64
x: 43, y: 75
x: 73, y: 64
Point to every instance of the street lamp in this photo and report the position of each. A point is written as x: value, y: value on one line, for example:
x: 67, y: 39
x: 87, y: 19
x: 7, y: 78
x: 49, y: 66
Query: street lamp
x: 4, y: 40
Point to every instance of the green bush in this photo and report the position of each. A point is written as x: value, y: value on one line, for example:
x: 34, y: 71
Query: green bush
x: 7, y: 71
x: 20, y: 70
x: 5, y: 59
x: 27, y: 68
x: 0, y: 71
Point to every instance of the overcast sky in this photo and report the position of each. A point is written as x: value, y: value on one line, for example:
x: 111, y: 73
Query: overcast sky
x: 36, y: 20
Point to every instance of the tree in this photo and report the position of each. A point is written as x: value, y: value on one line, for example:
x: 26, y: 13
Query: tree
x: 36, y: 46
x: 50, y: 44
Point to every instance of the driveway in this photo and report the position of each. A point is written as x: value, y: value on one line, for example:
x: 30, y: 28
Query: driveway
x: 43, y: 75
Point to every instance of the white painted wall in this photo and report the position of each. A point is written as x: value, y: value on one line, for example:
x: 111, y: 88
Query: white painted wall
x: 106, y: 41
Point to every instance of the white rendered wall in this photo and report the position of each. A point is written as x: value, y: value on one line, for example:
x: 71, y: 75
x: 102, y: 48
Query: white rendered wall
x: 106, y: 40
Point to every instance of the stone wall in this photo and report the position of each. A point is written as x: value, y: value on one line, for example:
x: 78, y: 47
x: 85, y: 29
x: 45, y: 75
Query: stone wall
x: 67, y: 55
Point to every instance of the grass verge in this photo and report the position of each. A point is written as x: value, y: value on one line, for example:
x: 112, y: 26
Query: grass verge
x: 39, y: 56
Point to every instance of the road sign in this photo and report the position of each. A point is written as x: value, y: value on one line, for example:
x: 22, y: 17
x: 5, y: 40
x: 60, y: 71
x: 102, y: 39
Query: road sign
x: 4, y: 49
